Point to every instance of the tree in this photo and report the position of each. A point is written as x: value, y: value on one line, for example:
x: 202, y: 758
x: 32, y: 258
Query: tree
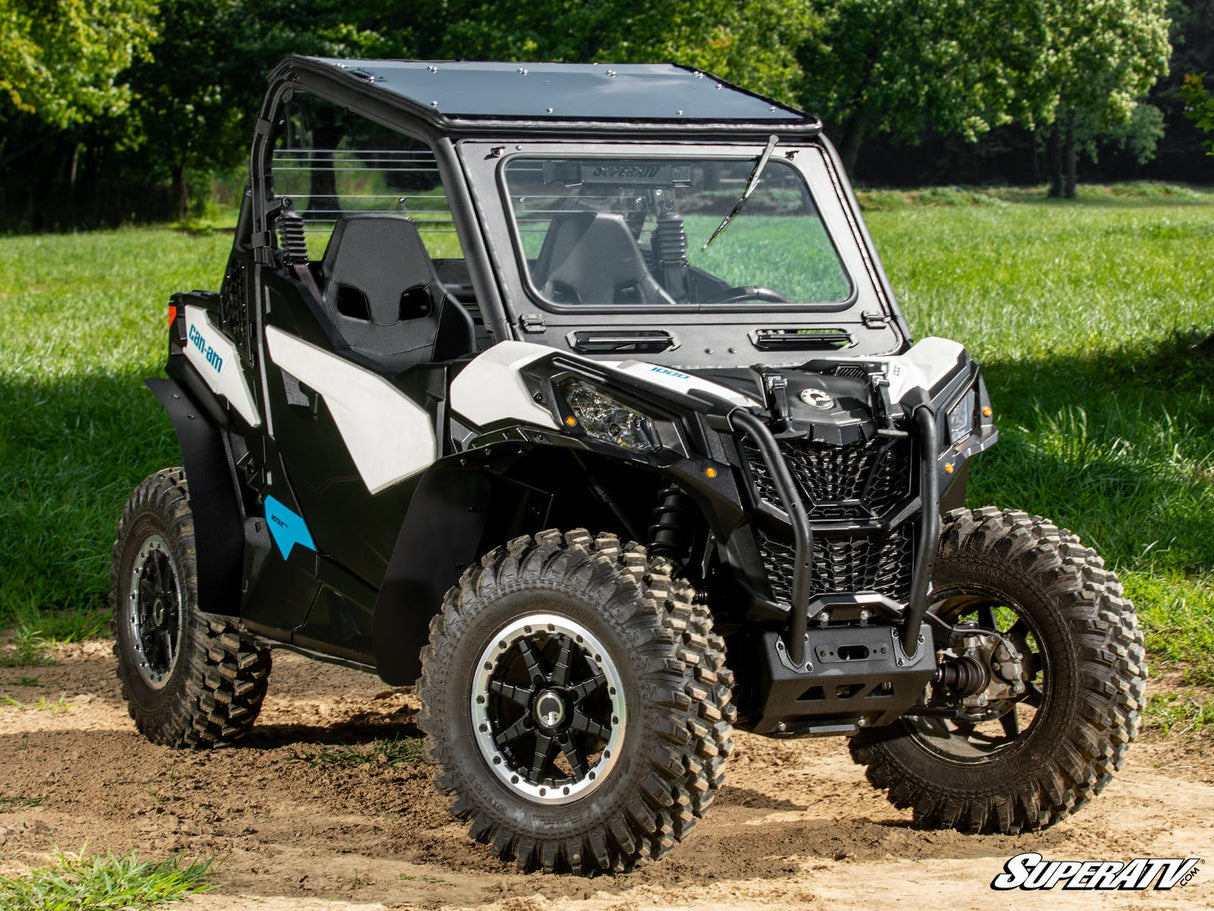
x: 965, y: 66
x: 1199, y: 105
x: 753, y: 42
x: 60, y: 59
x: 201, y: 85
x: 1102, y: 56
x: 905, y: 66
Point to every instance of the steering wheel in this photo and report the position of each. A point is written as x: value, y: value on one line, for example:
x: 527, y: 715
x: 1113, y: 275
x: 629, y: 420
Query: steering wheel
x: 747, y: 293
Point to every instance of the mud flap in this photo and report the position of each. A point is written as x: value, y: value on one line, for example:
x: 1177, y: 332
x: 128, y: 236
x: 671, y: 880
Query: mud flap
x: 441, y: 536
x: 218, y: 527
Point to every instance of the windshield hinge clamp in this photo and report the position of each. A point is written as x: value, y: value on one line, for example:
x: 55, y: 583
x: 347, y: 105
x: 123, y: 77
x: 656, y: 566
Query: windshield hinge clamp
x: 777, y: 402
x: 873, y: 320
x: 532, y: 322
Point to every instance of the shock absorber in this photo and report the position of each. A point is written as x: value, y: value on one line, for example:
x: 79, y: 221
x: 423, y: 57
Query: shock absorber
x: 668, y: 533
x: 670, y: 253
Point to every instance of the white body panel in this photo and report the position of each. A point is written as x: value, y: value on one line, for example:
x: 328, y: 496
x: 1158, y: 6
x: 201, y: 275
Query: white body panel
x: 388, y: 435
x: 924, y: 365
x: 490, y: 389
x: 678, y: 381
x: 216, y: 359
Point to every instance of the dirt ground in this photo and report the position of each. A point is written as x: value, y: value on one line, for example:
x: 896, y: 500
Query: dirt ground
x: 795, y: 826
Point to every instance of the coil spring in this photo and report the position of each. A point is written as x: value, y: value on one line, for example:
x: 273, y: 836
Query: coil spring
x: 667, y: 534
x: 291, y: 238
x: 670, y: 239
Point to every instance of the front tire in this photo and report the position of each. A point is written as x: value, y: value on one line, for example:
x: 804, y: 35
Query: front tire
x: 576, y: 703
x: 1066, y: 716
x: 188, y: 679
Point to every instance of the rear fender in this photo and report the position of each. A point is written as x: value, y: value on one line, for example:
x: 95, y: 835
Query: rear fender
x: 218, y: 524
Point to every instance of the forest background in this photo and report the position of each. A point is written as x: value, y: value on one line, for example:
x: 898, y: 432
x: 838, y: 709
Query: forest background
x: 123, y: 111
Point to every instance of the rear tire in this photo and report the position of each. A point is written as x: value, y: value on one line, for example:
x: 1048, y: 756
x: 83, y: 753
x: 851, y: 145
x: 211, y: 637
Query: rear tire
x: 188, y: 679
x: 1083, y: 669
x: 576, y: 703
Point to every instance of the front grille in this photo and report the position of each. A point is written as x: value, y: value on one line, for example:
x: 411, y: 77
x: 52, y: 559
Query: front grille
x: 861, y: 483
x: 863, y: 480
x: 855, y: 371
x: 847, y: 563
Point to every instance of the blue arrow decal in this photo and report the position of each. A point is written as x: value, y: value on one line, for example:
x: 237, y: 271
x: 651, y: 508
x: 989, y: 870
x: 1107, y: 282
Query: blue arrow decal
x: 288, y: 528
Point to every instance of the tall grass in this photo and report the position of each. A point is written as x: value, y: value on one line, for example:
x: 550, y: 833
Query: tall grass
x: 83, y: 322
x: 104, y: 883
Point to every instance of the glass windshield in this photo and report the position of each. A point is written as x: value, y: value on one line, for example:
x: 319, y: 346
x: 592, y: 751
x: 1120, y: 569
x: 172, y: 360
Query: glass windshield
x: 607, y: 231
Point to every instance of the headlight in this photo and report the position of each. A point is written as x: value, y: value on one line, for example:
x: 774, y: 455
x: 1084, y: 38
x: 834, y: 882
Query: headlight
x: 961, y: 418
x: 603, y: 418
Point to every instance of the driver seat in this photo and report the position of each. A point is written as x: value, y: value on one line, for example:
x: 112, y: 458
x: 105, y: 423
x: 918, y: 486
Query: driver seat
x: 592, y: 258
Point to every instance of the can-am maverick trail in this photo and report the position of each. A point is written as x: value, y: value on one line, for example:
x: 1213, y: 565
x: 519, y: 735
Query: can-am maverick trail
x: 579, y: 393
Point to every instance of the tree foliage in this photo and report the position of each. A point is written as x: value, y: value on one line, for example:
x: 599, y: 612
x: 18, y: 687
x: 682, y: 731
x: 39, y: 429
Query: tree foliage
x: 902, y: 66
x: 965, y: 66
x: 60, y: 60
x: 99, y: 98
x: 1199, y: 105
x: 750, y: 41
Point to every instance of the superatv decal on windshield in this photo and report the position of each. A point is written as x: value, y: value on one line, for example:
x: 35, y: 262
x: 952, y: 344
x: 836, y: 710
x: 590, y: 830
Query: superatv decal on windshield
x: 210, y: 351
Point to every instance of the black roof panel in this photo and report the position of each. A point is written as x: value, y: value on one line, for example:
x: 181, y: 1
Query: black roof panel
x: 566, y: 91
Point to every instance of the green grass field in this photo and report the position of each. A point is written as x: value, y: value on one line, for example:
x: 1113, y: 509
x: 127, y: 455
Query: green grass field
x: 1088, y: 318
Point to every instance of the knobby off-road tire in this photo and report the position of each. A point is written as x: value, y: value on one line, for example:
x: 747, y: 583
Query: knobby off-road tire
x: 576, y: 703
x: 188, y: 679
x: 1084, y: 669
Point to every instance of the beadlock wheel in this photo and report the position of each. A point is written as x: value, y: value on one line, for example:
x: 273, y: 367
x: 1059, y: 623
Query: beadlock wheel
x: 154, y: 614
x: 576, y: 703
x: 548, y: 707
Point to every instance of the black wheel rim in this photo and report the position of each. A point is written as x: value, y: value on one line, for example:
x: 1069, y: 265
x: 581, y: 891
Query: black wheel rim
x: 154, y: 616
x: 548, y: 709
x: 1016, y: 717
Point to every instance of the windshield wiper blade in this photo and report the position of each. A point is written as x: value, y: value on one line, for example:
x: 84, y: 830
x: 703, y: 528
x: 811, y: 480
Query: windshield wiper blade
x: 750, y: 188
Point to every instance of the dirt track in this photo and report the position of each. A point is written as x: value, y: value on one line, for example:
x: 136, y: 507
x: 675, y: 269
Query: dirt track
x: 796, y: 824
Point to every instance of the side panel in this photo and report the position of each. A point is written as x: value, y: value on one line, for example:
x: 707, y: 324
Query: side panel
x: 389, y: 437
x: 218, y: 525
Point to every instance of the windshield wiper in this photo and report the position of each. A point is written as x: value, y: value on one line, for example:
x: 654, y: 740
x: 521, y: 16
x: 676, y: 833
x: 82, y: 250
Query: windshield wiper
x: 750, y: 188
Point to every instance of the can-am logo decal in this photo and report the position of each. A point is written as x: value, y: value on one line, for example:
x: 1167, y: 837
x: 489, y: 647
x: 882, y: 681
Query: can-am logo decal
x: 198, y: 340
x: 817, y: 398
x: 1030, y: 871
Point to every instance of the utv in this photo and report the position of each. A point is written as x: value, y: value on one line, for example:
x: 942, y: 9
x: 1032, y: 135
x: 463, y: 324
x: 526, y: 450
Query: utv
x: 475, y: 309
